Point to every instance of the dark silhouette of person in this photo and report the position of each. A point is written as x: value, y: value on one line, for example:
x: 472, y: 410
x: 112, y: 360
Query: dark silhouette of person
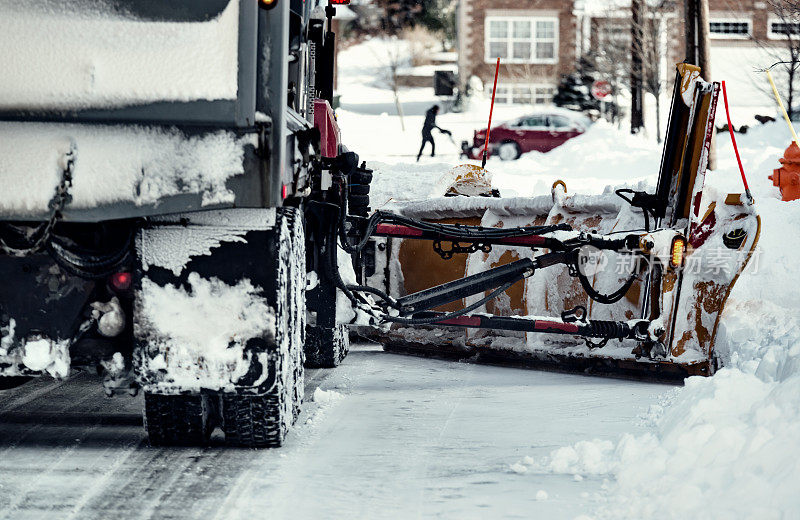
x: 427, y: 127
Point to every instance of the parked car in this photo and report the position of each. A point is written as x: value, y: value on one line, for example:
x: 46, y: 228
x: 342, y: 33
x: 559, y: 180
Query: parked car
x: 540, y: 131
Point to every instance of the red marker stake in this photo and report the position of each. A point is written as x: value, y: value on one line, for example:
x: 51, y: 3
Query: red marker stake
x: 733, y: 140
x: 489, y: 128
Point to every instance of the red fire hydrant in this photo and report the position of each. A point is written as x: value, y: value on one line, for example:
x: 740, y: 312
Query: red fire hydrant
x: 787, y: 177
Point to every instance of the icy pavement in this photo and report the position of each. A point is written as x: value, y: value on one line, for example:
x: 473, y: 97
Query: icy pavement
x: 386, y: 436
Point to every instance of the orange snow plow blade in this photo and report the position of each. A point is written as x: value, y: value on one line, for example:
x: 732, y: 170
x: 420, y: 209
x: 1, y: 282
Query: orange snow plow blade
x: 681, y: 289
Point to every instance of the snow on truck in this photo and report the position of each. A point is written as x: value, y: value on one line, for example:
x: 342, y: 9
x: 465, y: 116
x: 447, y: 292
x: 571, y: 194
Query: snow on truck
x: 177, y: 211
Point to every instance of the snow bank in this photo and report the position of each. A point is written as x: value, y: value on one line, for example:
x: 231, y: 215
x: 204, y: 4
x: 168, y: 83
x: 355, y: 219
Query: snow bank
x: 727, y: 445
x: 114, y: 163
x: 90, y: 57
x: 604, y: 156
x: 203, y: 347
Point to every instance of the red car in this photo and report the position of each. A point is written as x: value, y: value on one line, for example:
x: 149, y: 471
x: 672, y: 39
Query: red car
x: 541, y: 131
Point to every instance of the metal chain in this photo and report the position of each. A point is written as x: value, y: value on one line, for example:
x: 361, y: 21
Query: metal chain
x: 456, y: 247
x: 56, y: 205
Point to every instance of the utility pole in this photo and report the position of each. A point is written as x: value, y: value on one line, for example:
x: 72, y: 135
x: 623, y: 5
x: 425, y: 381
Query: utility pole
x: 697, y: 36
x: 637, y: 93
x: 698, y: 50
x: 691, y: 15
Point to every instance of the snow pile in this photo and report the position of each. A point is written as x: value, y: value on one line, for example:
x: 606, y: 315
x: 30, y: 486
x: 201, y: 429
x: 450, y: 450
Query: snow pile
x: 324, y: 397
x: 90, y: 57
x: 185, y: 330
x: 727, y: 445
x: 113, y: 164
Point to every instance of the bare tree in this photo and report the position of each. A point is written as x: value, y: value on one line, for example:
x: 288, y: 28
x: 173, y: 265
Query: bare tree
x: 787, y: 50
x: 783, y: 47
x: 610, y: 57
x: 652, y: 48
x: 395, y: 58
x: 615, y: 32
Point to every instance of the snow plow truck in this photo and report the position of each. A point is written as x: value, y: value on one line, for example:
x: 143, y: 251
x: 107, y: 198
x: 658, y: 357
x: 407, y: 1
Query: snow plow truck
x: 178, y: 212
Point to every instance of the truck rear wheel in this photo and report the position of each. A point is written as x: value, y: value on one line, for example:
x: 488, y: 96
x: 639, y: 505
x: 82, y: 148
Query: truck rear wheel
x: 326, y: 347
x: 254, y: 419
x: 178, y: 419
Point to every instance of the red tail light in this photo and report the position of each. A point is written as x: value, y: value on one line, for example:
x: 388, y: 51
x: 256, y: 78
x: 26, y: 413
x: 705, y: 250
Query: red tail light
x: 121, y: 281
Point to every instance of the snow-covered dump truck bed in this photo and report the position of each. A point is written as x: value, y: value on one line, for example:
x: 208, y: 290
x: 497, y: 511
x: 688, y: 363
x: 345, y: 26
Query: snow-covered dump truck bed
x: 162, y: 107
x: 177, y: 62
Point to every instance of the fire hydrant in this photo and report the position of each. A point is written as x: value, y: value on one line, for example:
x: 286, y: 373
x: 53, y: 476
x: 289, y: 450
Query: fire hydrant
x: 787, y: 177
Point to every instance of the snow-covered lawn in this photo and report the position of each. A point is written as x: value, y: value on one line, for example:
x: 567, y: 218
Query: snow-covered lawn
x: 727, y: 446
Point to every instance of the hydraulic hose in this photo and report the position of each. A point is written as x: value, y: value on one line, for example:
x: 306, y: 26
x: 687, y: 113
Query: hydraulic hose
x: 449, y: 316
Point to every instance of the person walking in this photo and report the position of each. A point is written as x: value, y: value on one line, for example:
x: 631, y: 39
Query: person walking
x: 427, y: 127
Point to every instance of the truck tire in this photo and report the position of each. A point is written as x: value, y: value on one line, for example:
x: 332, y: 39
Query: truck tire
x: 254, y: 419
x: 361, y: 176
x: 359, y: 189
x: 326, y: 347
x: 178, y: 420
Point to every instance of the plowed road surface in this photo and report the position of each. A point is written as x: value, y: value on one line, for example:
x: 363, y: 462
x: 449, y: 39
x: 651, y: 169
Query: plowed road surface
x: 399, y: 437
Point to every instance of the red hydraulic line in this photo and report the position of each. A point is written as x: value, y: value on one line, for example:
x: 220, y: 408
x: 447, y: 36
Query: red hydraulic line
x: 537, y: 325
x: 733, y: 140
x: 462, y: 321
x: 396, y: 230
x: 544, y: 326
x: 491, y: 109
x: 530, y: 240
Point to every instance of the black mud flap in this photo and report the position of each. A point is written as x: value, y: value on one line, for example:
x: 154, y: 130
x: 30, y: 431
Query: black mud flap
x: 245, y: 258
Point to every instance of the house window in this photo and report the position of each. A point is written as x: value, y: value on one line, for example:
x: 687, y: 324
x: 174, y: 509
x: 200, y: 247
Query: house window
x: 521, y: 39
x: 524, y: 94
x: 729, y: 28
x: 779, y: 29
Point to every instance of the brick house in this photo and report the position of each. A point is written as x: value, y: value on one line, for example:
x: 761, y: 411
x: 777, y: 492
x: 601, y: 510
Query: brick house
x: 534, y: 39
x: 538, y: 41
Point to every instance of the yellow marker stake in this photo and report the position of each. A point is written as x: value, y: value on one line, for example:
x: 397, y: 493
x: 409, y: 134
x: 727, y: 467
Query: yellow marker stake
x: 780, y: 103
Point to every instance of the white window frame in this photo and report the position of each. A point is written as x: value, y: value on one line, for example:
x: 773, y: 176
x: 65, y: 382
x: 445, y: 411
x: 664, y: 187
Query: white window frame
x: 719, y: 36
x: 509, y: 39
x: 778, y: 36
x: 508, y: 97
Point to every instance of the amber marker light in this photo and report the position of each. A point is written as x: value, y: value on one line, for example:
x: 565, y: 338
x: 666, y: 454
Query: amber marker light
x: 678, y: 251
x: 267, y: 4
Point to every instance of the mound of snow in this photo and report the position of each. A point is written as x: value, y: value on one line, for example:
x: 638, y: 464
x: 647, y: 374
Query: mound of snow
x: 727, y: 445
x: 326, y: 396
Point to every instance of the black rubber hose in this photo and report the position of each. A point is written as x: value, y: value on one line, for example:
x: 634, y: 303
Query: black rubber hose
x: 607, y: 299
x: 377, y: 292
